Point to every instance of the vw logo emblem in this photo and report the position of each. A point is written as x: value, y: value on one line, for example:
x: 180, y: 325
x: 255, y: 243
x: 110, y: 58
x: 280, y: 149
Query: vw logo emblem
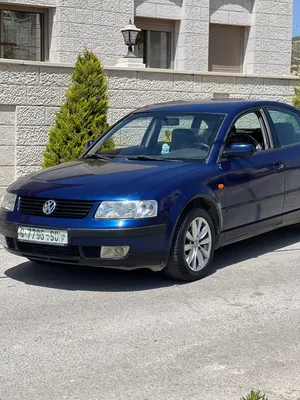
x: 49, y: 207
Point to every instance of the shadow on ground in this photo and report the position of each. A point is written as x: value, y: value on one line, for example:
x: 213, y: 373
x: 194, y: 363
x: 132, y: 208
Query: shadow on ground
x: 94, y: 279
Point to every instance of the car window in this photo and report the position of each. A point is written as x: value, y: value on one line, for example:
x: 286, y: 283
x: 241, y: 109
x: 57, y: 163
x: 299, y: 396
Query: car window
x: 248, y: 121
x: 165, y: 134
x: 132, y: 134
x: 286, y: 125
x: 161, y: 135
x: 203, y: 127
x: 248, y: 128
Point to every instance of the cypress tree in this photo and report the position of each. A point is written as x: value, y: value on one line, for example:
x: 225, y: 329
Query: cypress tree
x: 296, y: 99
x: 83, y: 116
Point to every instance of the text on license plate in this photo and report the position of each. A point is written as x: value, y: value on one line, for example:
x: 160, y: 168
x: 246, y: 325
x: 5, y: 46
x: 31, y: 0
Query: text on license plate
x: 47, y: 236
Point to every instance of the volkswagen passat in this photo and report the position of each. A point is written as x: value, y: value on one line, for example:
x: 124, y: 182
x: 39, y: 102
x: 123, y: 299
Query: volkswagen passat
x: 184, y: 179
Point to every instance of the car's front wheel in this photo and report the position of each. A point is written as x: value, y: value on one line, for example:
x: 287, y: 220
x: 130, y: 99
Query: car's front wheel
x: 193, y: 247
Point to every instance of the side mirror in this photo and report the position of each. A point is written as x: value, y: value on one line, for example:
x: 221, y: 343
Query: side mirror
x: 89, y: 144
x: 240, y: 150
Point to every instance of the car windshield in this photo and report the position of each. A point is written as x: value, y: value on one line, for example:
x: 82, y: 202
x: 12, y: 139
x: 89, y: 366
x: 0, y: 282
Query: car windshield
x: 160, y: 136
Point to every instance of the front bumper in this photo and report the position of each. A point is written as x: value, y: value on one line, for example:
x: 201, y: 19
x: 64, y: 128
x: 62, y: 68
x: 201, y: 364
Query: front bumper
x: 146, y: 247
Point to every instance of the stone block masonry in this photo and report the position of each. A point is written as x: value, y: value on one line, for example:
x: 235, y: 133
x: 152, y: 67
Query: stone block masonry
x: 7, y: 140
x: 31, y: 93
x: 95, y: 24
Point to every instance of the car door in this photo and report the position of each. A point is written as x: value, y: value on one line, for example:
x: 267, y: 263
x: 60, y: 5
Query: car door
x: 255, y: 185
x: 285, y: 125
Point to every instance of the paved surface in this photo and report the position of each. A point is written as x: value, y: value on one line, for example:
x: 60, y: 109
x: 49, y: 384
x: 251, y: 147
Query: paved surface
x: 85, y: 334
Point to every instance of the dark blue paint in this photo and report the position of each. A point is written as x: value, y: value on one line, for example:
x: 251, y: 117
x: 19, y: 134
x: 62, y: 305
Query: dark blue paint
x: 241, y: 150
x: 259, y: 195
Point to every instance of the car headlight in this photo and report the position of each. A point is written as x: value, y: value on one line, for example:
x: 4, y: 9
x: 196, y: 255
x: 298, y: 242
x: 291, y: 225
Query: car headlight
x: 8, y: 201
x: 127, y: 209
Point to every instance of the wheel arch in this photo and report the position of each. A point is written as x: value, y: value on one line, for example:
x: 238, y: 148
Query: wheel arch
x: 209, y: 205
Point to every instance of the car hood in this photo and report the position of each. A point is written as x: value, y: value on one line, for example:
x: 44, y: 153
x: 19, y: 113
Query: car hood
x: 100, y: 180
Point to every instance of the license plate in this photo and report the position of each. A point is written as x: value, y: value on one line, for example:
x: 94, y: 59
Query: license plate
x: 55, y: 237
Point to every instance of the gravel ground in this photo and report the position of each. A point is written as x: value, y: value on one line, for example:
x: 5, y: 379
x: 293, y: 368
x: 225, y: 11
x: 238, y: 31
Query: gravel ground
x: 85, y: 334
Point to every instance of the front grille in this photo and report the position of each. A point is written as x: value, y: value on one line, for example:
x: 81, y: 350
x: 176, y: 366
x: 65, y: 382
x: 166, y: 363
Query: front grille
x: 10, y: 243
x: 73, y: 209
x: 55, y: 252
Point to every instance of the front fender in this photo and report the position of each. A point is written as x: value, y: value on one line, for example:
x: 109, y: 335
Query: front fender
x: 203, y: 193
x: 175, y: 195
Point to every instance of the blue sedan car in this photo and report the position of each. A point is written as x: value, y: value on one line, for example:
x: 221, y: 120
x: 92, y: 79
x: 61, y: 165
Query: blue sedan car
x: 184, y: 179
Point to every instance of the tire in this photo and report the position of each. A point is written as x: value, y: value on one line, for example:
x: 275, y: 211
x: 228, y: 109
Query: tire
x: 185, y: 249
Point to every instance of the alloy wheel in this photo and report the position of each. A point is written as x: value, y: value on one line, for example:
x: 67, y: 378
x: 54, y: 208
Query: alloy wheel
x: 198, y: 244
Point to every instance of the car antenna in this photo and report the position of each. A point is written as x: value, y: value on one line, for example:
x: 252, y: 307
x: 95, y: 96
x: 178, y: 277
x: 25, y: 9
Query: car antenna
x: 254, y: 86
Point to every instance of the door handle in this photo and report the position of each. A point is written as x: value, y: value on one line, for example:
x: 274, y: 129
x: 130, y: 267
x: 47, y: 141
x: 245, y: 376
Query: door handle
x: 279, y: 166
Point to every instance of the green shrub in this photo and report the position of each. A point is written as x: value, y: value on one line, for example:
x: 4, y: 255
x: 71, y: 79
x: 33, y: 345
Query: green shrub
x: 83, y: 116
x: 255, y: 396
x: 296, y: 98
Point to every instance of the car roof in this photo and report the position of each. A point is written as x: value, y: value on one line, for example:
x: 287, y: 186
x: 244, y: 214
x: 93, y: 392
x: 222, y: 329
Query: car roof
x: 223, y: 106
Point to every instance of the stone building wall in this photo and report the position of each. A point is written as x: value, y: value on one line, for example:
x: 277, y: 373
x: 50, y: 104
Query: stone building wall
x: 269, y: 45
x: 96, y: 24
x: 30, y: 95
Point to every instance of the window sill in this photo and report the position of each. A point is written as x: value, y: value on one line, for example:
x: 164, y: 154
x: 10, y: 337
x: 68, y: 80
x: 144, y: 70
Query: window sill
x: 202, y: 73
x: 7, y: 61
x: 46, y: 64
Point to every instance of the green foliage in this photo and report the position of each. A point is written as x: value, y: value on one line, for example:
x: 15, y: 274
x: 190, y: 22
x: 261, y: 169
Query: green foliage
x: 255, y: 396
x: 83, y: 116
x: 296, y: 55
x: 296, y: 98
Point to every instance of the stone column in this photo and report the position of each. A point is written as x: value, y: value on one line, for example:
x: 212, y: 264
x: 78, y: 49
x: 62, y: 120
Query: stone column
x: 270, y: 39
x: 193, y: 34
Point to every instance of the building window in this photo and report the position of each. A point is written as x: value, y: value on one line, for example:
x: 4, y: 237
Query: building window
x: 22, y: 34
x: 155, y: 42
x: 226, y: 48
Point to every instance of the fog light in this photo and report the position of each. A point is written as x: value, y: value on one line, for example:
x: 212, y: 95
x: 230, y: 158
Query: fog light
x: 114, y: 251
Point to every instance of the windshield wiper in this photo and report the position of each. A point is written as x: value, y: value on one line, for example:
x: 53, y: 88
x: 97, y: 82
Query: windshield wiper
x: 98, y: 157
x: 146, y: 158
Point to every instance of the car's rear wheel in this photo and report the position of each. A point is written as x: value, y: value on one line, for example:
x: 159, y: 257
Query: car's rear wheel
x: 193, y: 247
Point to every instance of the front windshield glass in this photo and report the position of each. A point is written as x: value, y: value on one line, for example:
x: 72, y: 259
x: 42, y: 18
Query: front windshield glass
x: 161, y: 136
